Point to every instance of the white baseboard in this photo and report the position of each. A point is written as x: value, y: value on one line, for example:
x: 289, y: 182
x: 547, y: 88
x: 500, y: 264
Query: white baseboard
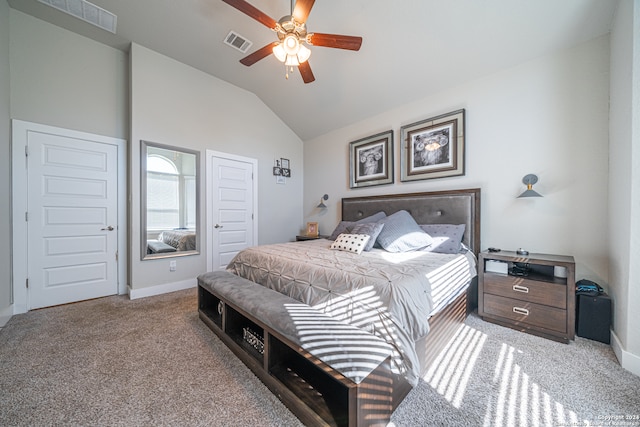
x: 628, y: 361
x: 5, y: 315
x: 162, y: 289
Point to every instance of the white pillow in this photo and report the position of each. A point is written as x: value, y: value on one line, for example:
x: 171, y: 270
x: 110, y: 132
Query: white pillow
x: 351, y: 242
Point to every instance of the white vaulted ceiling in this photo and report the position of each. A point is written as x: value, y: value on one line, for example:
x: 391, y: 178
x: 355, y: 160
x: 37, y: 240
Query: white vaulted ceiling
x: 410, y: 49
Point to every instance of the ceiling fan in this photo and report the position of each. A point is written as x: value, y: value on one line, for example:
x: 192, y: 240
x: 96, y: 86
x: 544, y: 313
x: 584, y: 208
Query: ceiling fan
x: 292, y: 36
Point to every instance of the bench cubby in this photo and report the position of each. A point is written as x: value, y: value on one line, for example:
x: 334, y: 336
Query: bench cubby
x: 321, y: 377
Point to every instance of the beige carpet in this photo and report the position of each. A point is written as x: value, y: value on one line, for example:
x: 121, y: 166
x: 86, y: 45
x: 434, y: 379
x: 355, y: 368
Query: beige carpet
x: 116, y: 362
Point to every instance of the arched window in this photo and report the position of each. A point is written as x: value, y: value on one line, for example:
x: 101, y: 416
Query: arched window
x: 161, y: 164
x: 163, y: 194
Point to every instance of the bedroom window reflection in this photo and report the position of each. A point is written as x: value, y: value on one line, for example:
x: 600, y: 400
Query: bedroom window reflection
x: 163, y: 194
x: 169, y: 201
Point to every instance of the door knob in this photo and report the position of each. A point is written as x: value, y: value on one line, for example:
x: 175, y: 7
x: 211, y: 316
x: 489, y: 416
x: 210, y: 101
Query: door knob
x: 217, y: 226
x: 109, y: 228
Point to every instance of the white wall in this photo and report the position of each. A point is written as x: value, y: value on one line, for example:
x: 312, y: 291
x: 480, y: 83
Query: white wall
x: 548, y: 117
x: 62, y: 79
x: 634, y: 276
x: 624, y: 184
x: 66, y: 80
x: 174, y: 104
x: 5, y: 188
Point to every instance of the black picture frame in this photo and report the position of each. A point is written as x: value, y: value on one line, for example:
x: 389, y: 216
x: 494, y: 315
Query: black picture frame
x: 371, y: 160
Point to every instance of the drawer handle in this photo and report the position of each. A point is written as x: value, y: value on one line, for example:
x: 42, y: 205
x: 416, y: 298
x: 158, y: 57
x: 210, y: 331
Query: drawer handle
x: 520, y: 310
x: 522, y: 289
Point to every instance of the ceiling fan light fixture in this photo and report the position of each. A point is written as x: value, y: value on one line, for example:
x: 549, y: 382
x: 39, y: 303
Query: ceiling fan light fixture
x: 291, y: 58
x: 278, y: 52
x: 291, y: 44
x: 303, y: 54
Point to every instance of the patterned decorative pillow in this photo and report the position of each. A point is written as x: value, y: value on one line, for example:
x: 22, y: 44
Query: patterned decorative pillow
x: 372, y: 229
x: 447, y: 238
x: 401, y: 233
x: 345, y: 226
x: 351, y: 243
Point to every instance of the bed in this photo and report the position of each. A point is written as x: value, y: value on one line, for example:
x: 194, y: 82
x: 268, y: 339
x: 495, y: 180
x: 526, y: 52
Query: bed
x: 392, y: 295
x: 181, y: 240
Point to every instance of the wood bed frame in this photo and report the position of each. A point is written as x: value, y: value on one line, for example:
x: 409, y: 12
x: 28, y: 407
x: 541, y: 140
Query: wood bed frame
x: 439, y: 207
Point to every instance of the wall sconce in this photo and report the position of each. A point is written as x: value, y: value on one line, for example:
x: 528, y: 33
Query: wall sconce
x: 529, y: 180
x: 321, y: 205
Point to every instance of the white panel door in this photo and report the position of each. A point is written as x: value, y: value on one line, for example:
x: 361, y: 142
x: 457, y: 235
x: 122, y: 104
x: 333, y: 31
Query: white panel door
x: 232, y: 216
x: 72, y: 219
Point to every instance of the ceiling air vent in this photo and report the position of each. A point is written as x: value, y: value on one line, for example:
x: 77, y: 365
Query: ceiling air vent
x: 238, y: 42
x: 86, y: 11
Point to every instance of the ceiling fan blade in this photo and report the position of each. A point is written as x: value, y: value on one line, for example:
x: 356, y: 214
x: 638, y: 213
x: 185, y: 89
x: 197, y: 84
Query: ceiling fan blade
x: 305, y: 72
x: 335, y: 40
x: 258, y: 54
x: 302, y: 9
x: 251, y: 11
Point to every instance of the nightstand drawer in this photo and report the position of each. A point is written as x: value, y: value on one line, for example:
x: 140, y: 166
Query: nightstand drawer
x: 524, y: 289
x: 525, y: 312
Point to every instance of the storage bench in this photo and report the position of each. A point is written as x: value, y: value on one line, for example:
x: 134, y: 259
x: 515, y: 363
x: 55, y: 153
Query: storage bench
x: 325, y: 371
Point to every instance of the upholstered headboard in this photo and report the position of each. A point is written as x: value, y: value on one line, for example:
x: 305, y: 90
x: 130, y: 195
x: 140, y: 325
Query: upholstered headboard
x: 438, y: 207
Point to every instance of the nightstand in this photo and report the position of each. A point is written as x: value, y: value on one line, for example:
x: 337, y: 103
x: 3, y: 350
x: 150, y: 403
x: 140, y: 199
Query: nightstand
x: 303, y: 237
x: 528, y: 298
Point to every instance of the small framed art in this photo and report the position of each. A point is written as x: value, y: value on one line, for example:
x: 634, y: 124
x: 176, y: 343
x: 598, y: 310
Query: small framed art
x: 286, y: 169
x: 277, y: 169
x: 433, y: 148
x: 312, y: 229
x: 371, y: 160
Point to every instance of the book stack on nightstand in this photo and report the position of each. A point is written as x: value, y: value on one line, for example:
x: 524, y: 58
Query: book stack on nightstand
x: 525, y: 292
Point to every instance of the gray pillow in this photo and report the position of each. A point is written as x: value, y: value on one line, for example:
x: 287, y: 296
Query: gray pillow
x: 345, y: 226
x: 401, y: 233
x: 447, y: 238
x: 371, y: 229
x: 373, y: 218
x: 342, y: 227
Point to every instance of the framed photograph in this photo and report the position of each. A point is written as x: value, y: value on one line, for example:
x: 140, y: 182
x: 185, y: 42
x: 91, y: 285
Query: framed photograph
x: 286, y: 172
x: 433, y: 148
x: 371, y: 160
x: 312, y: 229
x: 284, y: 163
